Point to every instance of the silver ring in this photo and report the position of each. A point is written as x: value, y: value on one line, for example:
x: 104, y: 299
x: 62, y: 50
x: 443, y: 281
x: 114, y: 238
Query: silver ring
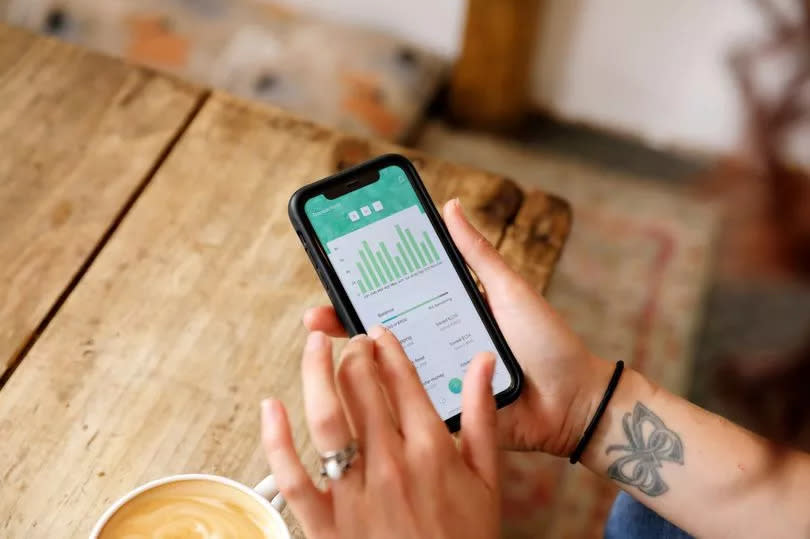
x: 335, y: 463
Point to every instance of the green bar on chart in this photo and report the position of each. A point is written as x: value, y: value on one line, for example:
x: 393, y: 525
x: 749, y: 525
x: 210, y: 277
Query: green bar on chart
x: 388, y: 274
x: 368, y: 267
x: 427, y: 253
x: 362, y: 287
x: 407, y: 245
x: 389, y: 260
x: 374, y: 263
x: 432, y: 248
x: 415, y: 247
x: 401, y: 267
x: 404, y: 258
x: 365, y: 277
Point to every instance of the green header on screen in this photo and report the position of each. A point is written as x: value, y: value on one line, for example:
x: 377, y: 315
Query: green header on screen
x: 334, y: 218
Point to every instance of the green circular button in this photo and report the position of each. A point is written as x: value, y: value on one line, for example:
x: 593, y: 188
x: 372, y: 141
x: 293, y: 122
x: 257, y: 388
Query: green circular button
x: 455, y: 385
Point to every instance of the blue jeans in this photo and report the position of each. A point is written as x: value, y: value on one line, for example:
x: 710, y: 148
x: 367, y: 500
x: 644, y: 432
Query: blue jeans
x: 630, y: 519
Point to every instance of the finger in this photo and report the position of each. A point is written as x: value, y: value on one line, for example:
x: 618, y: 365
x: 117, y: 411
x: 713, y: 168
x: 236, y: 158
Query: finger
x: 311, y: 506
x: 326, y: 418
x: 477, y: 251
x: 363, y: 398
x: 410, y: 402
x: 325, y: 319
x: 478, y: 425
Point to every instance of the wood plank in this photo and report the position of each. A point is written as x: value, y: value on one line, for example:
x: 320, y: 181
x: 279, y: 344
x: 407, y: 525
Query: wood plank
x: 158, y: 359
x: 490, y: 82
x: 533, y: 243
x: 79, y: 133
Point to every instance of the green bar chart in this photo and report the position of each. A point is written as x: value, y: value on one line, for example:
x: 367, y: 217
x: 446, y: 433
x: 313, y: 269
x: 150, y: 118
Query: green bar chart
x: 381, y: 264
x: 386, y: 253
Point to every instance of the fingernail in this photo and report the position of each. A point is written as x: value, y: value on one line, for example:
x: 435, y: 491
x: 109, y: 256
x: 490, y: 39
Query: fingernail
x: 359, y: 337
x: 489, y: 364
x: 267, y: 409
x: 377, y: 332
x: 461, y: 210
x: 315, y: 340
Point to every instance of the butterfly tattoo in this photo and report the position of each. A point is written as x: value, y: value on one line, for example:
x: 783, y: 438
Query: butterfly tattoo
x: 650, y: 443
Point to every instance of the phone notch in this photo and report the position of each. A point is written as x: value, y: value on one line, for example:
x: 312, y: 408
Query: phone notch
x: 359, y: 180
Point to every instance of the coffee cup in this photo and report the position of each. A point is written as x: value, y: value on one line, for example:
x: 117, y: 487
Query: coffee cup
x: 199, y: 502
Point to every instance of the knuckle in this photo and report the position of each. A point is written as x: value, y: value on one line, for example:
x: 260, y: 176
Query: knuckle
x: 388, y: 472
x: 481, y: 245
x: 388, y: 339
x: 427, y: 450
x: 353, y: 364
x: 327, y: 423
x: 292, y: 486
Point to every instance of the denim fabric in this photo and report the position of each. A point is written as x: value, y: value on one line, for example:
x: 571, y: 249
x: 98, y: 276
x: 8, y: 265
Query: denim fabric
x: 630, y: 519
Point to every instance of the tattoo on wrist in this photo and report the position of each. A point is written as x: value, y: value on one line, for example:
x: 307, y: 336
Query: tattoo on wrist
x: 649, y: 444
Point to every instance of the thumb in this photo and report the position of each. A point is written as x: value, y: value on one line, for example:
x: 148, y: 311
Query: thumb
x: 478, y: 427
x: 477, y: 251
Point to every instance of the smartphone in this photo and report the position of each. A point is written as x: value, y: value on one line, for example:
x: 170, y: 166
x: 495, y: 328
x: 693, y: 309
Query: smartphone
x: 384, y: 256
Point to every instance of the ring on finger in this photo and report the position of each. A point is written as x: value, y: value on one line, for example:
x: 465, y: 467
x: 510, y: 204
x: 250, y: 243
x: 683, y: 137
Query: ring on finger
x: 335, y: 463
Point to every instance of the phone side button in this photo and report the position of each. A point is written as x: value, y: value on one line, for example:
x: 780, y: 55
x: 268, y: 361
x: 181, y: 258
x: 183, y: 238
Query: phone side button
x: 301, y: 238
x: 323, y: 281
x: 325, y: 286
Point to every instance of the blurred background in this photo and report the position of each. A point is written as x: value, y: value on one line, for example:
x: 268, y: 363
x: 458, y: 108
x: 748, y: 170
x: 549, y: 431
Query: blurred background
x: 679, y: 130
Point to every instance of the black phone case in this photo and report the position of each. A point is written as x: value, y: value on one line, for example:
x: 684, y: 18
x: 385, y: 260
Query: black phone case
x: 340, y: 300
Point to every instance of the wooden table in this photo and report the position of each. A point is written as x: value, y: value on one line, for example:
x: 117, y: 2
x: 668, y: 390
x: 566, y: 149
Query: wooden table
x: 150, y: 285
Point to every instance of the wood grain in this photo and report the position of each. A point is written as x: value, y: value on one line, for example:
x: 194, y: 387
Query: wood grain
x: 78, y: 134
x: 533, y: 243
x: 156, y: 362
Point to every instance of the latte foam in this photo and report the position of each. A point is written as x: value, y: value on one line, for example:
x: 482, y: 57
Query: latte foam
x: 191, y: 509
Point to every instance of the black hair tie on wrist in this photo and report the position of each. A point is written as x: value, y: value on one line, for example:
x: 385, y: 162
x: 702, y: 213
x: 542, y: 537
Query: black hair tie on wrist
x: 600, y: 410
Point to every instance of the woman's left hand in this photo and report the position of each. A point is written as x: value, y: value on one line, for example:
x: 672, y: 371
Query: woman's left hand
x: 409, y: 479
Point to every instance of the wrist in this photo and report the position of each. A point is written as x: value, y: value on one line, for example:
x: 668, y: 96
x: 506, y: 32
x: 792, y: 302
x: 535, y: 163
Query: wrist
x: 589, y: 395
x: 632, y: 388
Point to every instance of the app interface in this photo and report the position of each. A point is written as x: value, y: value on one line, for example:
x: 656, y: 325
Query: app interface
x: 397, y: 273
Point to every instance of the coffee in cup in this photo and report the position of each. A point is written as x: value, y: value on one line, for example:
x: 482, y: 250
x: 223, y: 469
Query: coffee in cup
x: 193, y: 506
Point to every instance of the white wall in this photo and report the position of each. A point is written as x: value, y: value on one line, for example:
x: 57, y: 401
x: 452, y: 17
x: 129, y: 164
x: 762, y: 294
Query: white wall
x: 656, y: 69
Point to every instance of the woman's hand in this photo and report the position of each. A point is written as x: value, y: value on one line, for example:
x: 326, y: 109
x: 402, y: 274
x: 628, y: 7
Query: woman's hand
x: 564, y: 382
x: 409, y: 479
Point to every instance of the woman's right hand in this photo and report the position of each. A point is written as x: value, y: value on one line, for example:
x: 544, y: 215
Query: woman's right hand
x: 563, y: 381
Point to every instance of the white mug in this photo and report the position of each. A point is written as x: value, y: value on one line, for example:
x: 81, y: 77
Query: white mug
x: 265, y: 493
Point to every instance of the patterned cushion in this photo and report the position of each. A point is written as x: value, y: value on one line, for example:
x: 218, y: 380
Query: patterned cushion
x: 355, y: 79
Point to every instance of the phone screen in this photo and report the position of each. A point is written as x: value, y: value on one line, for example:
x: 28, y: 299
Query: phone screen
x: 396, y: 272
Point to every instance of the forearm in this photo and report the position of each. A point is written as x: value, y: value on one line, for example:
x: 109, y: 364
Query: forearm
x: 698, y: 470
